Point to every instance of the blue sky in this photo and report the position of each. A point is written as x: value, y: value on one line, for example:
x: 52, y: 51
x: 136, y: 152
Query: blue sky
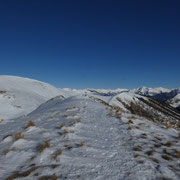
x: 92, y: 43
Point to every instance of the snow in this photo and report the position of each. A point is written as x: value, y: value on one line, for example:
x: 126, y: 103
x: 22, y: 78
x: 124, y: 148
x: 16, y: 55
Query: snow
x: 107, y: 149
x: 73, y: 135
x: 150, y: 91
x: 175, y: 101
x: 96, y: 159
x: 23, y: 95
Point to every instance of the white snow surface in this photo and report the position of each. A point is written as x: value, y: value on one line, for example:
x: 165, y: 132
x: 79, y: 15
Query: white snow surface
x: 80, y: 137
x: 150, y: 91
x: 175, y: 101
x: 93, y: 144
x: 19, y: 96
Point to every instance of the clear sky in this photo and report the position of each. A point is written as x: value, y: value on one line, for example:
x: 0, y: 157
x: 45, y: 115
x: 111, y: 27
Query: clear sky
x: 92, y: 43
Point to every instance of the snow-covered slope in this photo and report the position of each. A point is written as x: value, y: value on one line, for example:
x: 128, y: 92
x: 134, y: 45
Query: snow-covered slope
x: 86, y: 134
x: 175, y: 101
x: 19, y: 96
x: 84, y: 138
x: 150, y: 91
x: 170, y: 96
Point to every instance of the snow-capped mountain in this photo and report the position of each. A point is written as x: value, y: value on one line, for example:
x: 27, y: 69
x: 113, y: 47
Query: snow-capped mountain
x: 170, y: 96
x: 19, y: 96
x: 87, y: 134
x: 175, y: 101
x: 150, y: 91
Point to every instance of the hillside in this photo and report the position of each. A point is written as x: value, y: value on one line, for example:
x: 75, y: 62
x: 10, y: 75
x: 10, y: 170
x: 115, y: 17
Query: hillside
x: 87, y: 134
x: 20, y: 96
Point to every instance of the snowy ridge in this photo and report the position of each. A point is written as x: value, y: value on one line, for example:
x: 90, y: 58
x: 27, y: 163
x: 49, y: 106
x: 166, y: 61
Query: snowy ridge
x: 78, y: 137
x: 88, y: 134
x: 150, y: 91
x: 19, y: 96
x: 170, y: 96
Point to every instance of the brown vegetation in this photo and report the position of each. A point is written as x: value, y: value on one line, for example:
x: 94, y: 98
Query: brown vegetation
x: 16, y: 175
x: 51, y: 177
x: 137, y: 148
x: 68, y: 147
x: 30, y: 123
x: 18, y: 136
x: 57, y: 153
x: 166, y: 157
x: 43, y: 146
x: 5, y: 151
x: 61, y: 126
x: 2, y: 92
x: 64, y: 131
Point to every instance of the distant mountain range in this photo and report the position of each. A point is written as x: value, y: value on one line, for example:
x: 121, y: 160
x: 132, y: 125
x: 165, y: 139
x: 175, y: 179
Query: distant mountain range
x: 169, y: 96
x: 20, y: 96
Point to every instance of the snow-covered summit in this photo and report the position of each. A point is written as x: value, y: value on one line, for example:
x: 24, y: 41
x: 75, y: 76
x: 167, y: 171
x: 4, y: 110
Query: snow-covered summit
x: 150, y: 91
x: 19, y: 96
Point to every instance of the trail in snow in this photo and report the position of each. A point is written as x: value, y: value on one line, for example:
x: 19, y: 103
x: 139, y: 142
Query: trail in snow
x: 105, y: 153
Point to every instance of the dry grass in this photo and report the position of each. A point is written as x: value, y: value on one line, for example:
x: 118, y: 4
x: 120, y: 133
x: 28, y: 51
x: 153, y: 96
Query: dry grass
x: 129, y: 128
x: 158, y: 138
x: 136, y: 155
x: 78, y: 120
x: 132, y: 117
x: 70, y: 108
x: 16, y: 175
x: 5, y: 151
x: 141, y: 161
x: 61, y: 126
x: 81, y: 144
x: 144, y: 136
x: 30, y: 123
x: 157, y: 145
x: 74, y: 122
x: 110, y: 113
x: 68, y: 147
x: 58, y: 113
x: 137, y: 148
x: 168, y: 144
x: 137, y: 127
x: 150, y: 152
x: 130, y: 122
x: 57, y: 153
x: 136, y: 109
x: 154, y: 159
x: 167, y: 126
x: 2, y: 92
x: 178, y: 154
x: 166, y: 157
x: 44, y: 145
x: 118, y: 115
x: 18, y: 136
x: 1, y: 120
x: 51, y: 177
x: 64, y: 131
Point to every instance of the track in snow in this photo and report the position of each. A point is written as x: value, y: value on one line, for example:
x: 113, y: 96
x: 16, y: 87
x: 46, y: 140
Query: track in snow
x: 106, y: 152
